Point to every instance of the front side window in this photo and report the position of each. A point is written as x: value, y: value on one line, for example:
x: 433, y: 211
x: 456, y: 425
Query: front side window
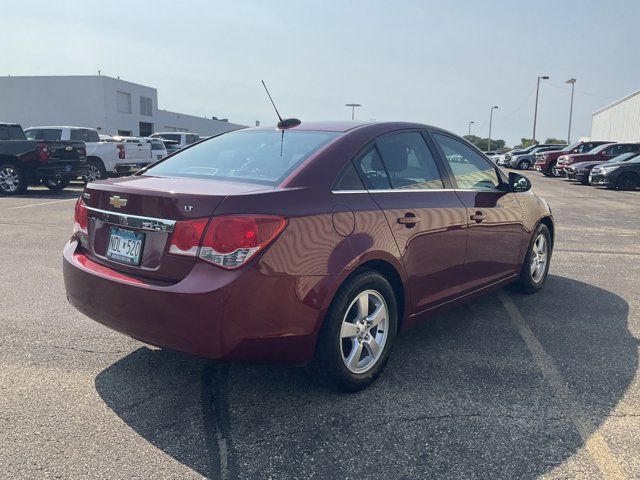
x: 470, y: 169
x: 409, y: 162
x: 263, y: 156
x: 51, y: 134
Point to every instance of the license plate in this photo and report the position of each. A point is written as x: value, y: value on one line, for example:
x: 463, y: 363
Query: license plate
x: 125, y: 246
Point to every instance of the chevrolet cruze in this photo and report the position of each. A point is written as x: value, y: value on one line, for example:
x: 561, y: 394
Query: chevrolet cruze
x: 318, y: 243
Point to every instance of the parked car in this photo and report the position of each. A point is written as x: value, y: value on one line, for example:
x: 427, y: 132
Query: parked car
x: 137, y: 153
x: 620, y: 175
x: 360, y: 232
x: 158, y: 148
x: 171, y: 145
x: 183, y: 138
x: 53, y: 163
x: 602, y: 153
x: 524, y: 161
x: 580, y: 171
x: 504, y: 159
x: 546, y: 161
x: 106, y: 156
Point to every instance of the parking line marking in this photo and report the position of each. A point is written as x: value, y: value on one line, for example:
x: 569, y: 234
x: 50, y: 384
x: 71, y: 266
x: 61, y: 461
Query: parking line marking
x: 595, y: 442
x: 44, y: 203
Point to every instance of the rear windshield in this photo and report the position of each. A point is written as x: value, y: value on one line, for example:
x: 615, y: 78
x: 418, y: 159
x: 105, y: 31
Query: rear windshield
x: 264, y: 156
x: 11, y: 132
x: 157, y: 145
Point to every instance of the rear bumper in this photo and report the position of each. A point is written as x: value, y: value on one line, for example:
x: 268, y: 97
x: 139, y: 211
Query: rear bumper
x: 241, y: 315
x: 62, y: 170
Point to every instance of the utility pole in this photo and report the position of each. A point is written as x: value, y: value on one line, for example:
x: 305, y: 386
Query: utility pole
x: 353, y: 108
x: 490, y: 122
x: 572, y: 82
x: 535, y: 112
x: 470, y: 127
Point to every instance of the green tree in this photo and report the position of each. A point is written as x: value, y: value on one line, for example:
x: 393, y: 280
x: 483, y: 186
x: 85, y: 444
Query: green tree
x: 524, y: 143
x: 483, y: 143
x: 555, y: 140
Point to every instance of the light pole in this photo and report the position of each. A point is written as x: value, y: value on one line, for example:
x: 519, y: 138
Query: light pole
x: 535, y: 112
x: 353, y: 108
x: 572, y: 82
x: 470, y: 127
x: 490, y: 122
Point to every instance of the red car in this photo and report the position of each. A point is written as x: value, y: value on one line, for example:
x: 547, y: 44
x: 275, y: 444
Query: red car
x: 317, y: 242
x: 602, y: 153
x: 546, y: 162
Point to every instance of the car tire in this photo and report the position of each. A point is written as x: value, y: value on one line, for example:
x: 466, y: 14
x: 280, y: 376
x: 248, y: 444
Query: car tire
x: 533, y: 273
x: 57, y: 185
x: 628, y: 181
x: 95, y: 171
x: 354, y: 345
x: 585, y: 181
x: 12, y: 180
x: 554, y: 171
x: 524, y: 164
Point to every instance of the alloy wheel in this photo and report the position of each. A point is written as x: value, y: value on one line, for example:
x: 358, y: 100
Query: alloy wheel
x: 539, y: 254
x: 9, y: 179
x: 93, y: 173
x: 364, y: 331
x: 524, y: 165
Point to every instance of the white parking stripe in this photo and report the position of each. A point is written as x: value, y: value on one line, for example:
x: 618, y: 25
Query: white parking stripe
x: 44, y: 203
x: 593, y: 440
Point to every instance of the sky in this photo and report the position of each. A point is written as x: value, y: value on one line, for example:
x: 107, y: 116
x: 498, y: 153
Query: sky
x: 440, y: 63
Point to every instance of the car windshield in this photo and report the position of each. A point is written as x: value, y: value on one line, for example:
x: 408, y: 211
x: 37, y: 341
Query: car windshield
x: 623, y: 158
x: 568, y: 148
x: 263, y: 156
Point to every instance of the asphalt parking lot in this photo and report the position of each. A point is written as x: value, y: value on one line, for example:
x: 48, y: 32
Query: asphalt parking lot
x: 509, y: 386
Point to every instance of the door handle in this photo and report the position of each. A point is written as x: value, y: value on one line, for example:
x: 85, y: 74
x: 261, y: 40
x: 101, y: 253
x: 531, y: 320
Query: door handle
x: 409, y: 220
x: 478, y: 216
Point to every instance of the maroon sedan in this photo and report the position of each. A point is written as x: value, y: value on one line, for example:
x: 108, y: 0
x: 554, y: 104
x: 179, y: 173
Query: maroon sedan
x: 602, y: 153
x: 316, y: 243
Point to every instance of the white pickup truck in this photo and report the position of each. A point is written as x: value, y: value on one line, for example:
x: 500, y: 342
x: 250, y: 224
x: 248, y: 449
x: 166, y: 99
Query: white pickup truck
x: 104, y: 158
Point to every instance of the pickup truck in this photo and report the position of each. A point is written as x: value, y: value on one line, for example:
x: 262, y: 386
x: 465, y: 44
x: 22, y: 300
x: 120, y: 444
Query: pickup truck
x: 546, y: 161
x: 602, y: 153
x: 53, y: 163
x: 182, y: 138
x: 104, y: 158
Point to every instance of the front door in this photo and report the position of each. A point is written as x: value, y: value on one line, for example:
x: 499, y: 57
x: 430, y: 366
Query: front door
x: 427, y: 219
x: 494, y: 216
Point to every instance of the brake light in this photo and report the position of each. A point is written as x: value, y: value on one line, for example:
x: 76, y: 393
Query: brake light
x: 230, y: 241
x: 227, y: 242
x: 80, y: 218
x: 43, y: 151
x: 186, y: 237
x: 121, y: 152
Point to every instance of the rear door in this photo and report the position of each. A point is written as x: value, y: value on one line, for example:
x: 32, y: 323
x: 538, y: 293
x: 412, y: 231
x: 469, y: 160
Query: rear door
x: 494, y: 217
x: 427, y: 219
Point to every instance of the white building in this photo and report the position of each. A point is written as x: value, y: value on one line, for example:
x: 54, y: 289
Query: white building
x: 619, y: 121
x: 113, y: 106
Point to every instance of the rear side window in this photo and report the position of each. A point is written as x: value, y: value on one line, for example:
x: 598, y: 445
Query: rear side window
x: 470, y: 169
x: 409, y: 162
x: 51, y: 134
x: 11, y: 132
x: 84, y: 135
x: 370, y: 166
x: 348, y: 179
x: 34, y: 134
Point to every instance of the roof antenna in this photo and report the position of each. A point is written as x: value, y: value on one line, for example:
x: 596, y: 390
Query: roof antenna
x: 283, y: 123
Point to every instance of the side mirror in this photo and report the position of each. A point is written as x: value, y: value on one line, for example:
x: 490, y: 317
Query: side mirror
x: 518, y: 183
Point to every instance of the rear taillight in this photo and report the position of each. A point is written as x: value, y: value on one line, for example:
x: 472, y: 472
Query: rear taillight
x: 121, y: 153
x: 43, y: 151
x: 80, y: 218
x: 228, y: 241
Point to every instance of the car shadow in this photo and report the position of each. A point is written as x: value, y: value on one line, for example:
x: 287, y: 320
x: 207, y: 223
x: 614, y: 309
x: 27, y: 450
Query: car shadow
x: 72, y: 191
x: 462, y: 397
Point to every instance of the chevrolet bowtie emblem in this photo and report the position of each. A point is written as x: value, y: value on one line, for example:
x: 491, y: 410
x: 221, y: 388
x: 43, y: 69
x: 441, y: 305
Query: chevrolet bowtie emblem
x: 68, y: 149
x: 118, y: 202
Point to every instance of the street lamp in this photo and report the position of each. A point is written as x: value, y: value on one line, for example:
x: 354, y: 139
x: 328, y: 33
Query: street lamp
x: 490, y: 122
x: 535, y: 113
x: 572, y: 82
x: 470, y: 127
x: 353, y: 108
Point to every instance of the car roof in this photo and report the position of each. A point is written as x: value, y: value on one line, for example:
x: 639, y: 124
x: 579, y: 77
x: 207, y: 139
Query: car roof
x: 346, y: 126
x: 4, y: 124
x: 61, y: 126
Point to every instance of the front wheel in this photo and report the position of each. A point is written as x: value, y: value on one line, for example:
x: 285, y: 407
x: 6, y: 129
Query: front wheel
x: 12, y: 180
x: 524, y: 165
x: 358, y: 333
x: 57, y: 184
x: 536, y: 262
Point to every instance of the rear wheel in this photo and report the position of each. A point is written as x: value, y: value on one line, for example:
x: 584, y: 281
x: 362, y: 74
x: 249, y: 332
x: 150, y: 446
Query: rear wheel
x: 628, y: 181
x: 57, y: 184
x: 536, y: 263
x: 524, y: 164
x: 95, y: 171
x: 358, y: 333
x: 12, y: 180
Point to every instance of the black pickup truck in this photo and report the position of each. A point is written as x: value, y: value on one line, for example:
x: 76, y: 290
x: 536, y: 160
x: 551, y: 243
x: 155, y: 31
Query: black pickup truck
x: 31, y: 162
